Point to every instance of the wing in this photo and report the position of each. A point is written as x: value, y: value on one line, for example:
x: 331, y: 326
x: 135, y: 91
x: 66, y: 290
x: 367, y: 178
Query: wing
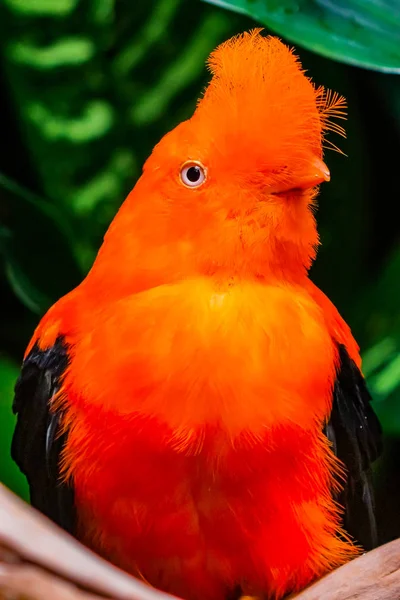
x: 355, y: 433
x: 37, y: 445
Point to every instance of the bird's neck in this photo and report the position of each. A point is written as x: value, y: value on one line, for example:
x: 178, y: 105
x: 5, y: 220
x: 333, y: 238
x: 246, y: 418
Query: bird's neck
x: 261, y: 271
x: 130, y: 266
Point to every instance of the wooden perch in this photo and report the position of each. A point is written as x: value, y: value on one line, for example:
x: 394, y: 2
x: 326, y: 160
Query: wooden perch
x: 373, y: 576
x: 38, y: 561
x: 38, y: 550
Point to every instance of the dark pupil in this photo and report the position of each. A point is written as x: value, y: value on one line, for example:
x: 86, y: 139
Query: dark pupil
x: 193, y: 174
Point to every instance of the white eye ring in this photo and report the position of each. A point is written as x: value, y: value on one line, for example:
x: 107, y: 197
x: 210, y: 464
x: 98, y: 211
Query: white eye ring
x: 193, y: 174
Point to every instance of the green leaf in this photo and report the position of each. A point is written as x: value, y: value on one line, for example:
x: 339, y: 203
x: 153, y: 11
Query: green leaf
x: 388, y: 379
x: 53, y: 8
x: 389, y: 413
x: 93, y: 98
x: 9, y: 472
x: 365, y: 33
x: 36, y: 245
x: 381, y: 300
x: 94, y: 122
x: 180, y: 73
x: 66, y: 52
x: 377, y: 355
x: 153, y: 31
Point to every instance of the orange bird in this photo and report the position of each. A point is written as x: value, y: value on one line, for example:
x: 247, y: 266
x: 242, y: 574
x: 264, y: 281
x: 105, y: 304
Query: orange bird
x: 194, y: 410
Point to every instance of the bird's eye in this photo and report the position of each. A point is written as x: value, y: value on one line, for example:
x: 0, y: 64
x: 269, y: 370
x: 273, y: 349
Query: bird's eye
x: 193, y: 174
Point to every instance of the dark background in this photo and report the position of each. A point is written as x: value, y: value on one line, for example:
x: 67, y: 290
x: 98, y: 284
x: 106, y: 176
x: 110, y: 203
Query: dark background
x: 87, y: 87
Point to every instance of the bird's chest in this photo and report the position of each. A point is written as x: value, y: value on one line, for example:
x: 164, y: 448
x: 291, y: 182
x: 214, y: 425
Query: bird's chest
x: 245, y: 358
x: 209, y: 470
x: 199, y: 525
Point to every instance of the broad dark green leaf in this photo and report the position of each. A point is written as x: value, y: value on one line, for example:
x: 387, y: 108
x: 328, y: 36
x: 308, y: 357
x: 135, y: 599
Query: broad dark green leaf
x: 94, y: 95
x: 365, y: 33
x: 36, y: 247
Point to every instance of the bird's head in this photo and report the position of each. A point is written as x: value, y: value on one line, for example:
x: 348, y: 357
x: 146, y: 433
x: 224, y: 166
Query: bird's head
x: 233, y: 188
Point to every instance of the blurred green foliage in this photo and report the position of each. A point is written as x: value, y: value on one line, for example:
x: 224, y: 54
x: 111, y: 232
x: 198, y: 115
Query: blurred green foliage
x: 89, y: 86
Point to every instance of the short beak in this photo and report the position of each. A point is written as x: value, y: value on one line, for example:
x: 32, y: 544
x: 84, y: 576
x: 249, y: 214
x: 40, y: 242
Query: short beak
x: 317, y: 172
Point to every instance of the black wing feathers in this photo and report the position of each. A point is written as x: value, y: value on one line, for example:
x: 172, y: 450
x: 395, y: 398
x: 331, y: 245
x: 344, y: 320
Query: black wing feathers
x: 356, y: 436
x: 36, y: 445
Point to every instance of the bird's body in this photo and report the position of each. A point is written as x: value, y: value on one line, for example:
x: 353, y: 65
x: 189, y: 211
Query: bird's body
x: 201, y: 384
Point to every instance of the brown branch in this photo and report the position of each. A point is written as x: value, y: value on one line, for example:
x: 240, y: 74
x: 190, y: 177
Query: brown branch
x: 28, y: 537
x: 38, y: 561
x: 373, y: 576
x: 32, y: 583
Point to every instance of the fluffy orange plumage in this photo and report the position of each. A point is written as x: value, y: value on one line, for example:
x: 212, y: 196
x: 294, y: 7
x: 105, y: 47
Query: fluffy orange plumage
x: 202, y: 359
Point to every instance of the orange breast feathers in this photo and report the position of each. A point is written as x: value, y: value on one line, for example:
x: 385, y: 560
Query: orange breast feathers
x: 159, y: 351
x: 199, y: 408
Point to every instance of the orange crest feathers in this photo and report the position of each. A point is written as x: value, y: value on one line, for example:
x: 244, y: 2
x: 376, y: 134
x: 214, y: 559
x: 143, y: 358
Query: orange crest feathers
x: 259, y: 96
